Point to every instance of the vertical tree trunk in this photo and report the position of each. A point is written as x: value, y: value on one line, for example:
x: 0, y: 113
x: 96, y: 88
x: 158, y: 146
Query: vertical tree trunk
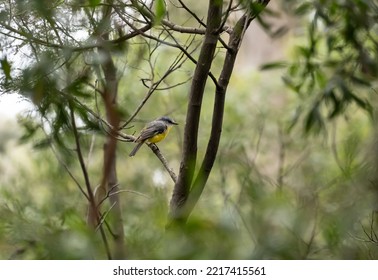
x: 109, y: 182
x: 189, y: 153
x: 186, y: 194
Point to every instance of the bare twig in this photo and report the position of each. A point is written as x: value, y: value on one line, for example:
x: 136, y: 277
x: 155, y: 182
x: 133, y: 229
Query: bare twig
x: 28, y: 37
x: 90, y: 149
x: 193, y: 14
x: 160, y: 156
x: 66, y: 168
x: 176, y: 64
x: 174, y: 45
x: 111, y: 192
x: 281, y: 158
x: 226, y: 15
x: 334, y: 148
x: 103, y: 217
x: 91, y: 196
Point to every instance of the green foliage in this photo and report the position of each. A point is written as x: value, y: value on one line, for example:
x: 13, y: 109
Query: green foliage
x: 316, y: 213
x: 160, y: 11
x: 94, y: 3
x: 6, y: 67
x: 336, y: 66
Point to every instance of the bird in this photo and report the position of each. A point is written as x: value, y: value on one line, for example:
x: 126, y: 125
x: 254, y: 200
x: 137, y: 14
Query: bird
x: 153, y: 132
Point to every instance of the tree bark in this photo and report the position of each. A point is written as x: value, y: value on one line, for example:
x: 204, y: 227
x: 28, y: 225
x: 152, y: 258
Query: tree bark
x: 189, y: 154
x: 185, y: 197
x: 109, y: 182
x: 236, y: 37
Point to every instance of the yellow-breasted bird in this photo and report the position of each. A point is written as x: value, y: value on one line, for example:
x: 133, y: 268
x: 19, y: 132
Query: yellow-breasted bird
x: 153, y: 132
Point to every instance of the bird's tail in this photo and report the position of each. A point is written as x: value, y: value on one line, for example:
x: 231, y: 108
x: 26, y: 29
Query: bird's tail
x: 136, y: 148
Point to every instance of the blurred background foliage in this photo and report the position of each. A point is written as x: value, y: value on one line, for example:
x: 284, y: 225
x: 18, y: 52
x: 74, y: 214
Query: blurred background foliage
x: 296, y: 173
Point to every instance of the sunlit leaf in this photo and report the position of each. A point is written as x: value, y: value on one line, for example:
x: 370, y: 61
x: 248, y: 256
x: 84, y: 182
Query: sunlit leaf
x: 321, y: 78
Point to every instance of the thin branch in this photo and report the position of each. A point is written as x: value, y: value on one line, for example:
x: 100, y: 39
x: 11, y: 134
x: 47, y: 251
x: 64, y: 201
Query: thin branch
x: 192, y: 13
x: 90, y: 150
x: 334, y: 149
x: 70, y: 174
x: 176, y: 64
x: 130, y: 191
x: 163, y: 160
x: 281, y: 158
x: 183, y: 29
x: 28, y: 37
x: 107, y: 128
x: 86, y: 179
x: 313, y: 232
x: 103, y: 217
x: 110, y: 193
x: 225, y: 18
x: 67, y: 169
x: 169, y: 86
x: 372, y: 235
x: 175, y: 45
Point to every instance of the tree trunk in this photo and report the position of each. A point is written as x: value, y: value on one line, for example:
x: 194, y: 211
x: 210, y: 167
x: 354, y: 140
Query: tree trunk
x: 186, y: 194
x: 189, y: 154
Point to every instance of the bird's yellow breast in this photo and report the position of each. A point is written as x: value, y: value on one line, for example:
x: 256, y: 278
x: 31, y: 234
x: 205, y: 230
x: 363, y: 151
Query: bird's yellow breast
x: 159, y: 137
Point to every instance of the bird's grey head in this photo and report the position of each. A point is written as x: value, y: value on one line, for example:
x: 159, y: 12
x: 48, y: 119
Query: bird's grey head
x: 167, y: 120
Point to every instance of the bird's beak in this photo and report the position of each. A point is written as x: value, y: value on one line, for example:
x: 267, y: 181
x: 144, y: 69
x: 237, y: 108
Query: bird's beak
x: 175, y: 123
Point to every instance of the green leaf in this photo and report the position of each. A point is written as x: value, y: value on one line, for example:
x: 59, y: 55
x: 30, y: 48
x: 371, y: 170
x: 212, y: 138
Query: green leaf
x: 347, y: 94
x: 44, y: 8
x: 321, y: 78
x: 338, y: 106
x: 94, y: 3
x: 6, y: 67
x: 29, y: 127
x: 360, y: 81
x: 363, y: 104
x: 274, y: 65
x: 314, y: 121
x: 256, y: 8
x: 42, y: 144
x: 331, y: 234
x: 290, y: 84
x: 281, y: 31
x: 160, y: 10
x: 331, y: 41
x: 304, y: 51
x: 304, y: 8
x: 4, y: 16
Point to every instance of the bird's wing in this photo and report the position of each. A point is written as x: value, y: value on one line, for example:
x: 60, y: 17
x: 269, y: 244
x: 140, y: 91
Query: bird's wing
x: 152, y: 129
